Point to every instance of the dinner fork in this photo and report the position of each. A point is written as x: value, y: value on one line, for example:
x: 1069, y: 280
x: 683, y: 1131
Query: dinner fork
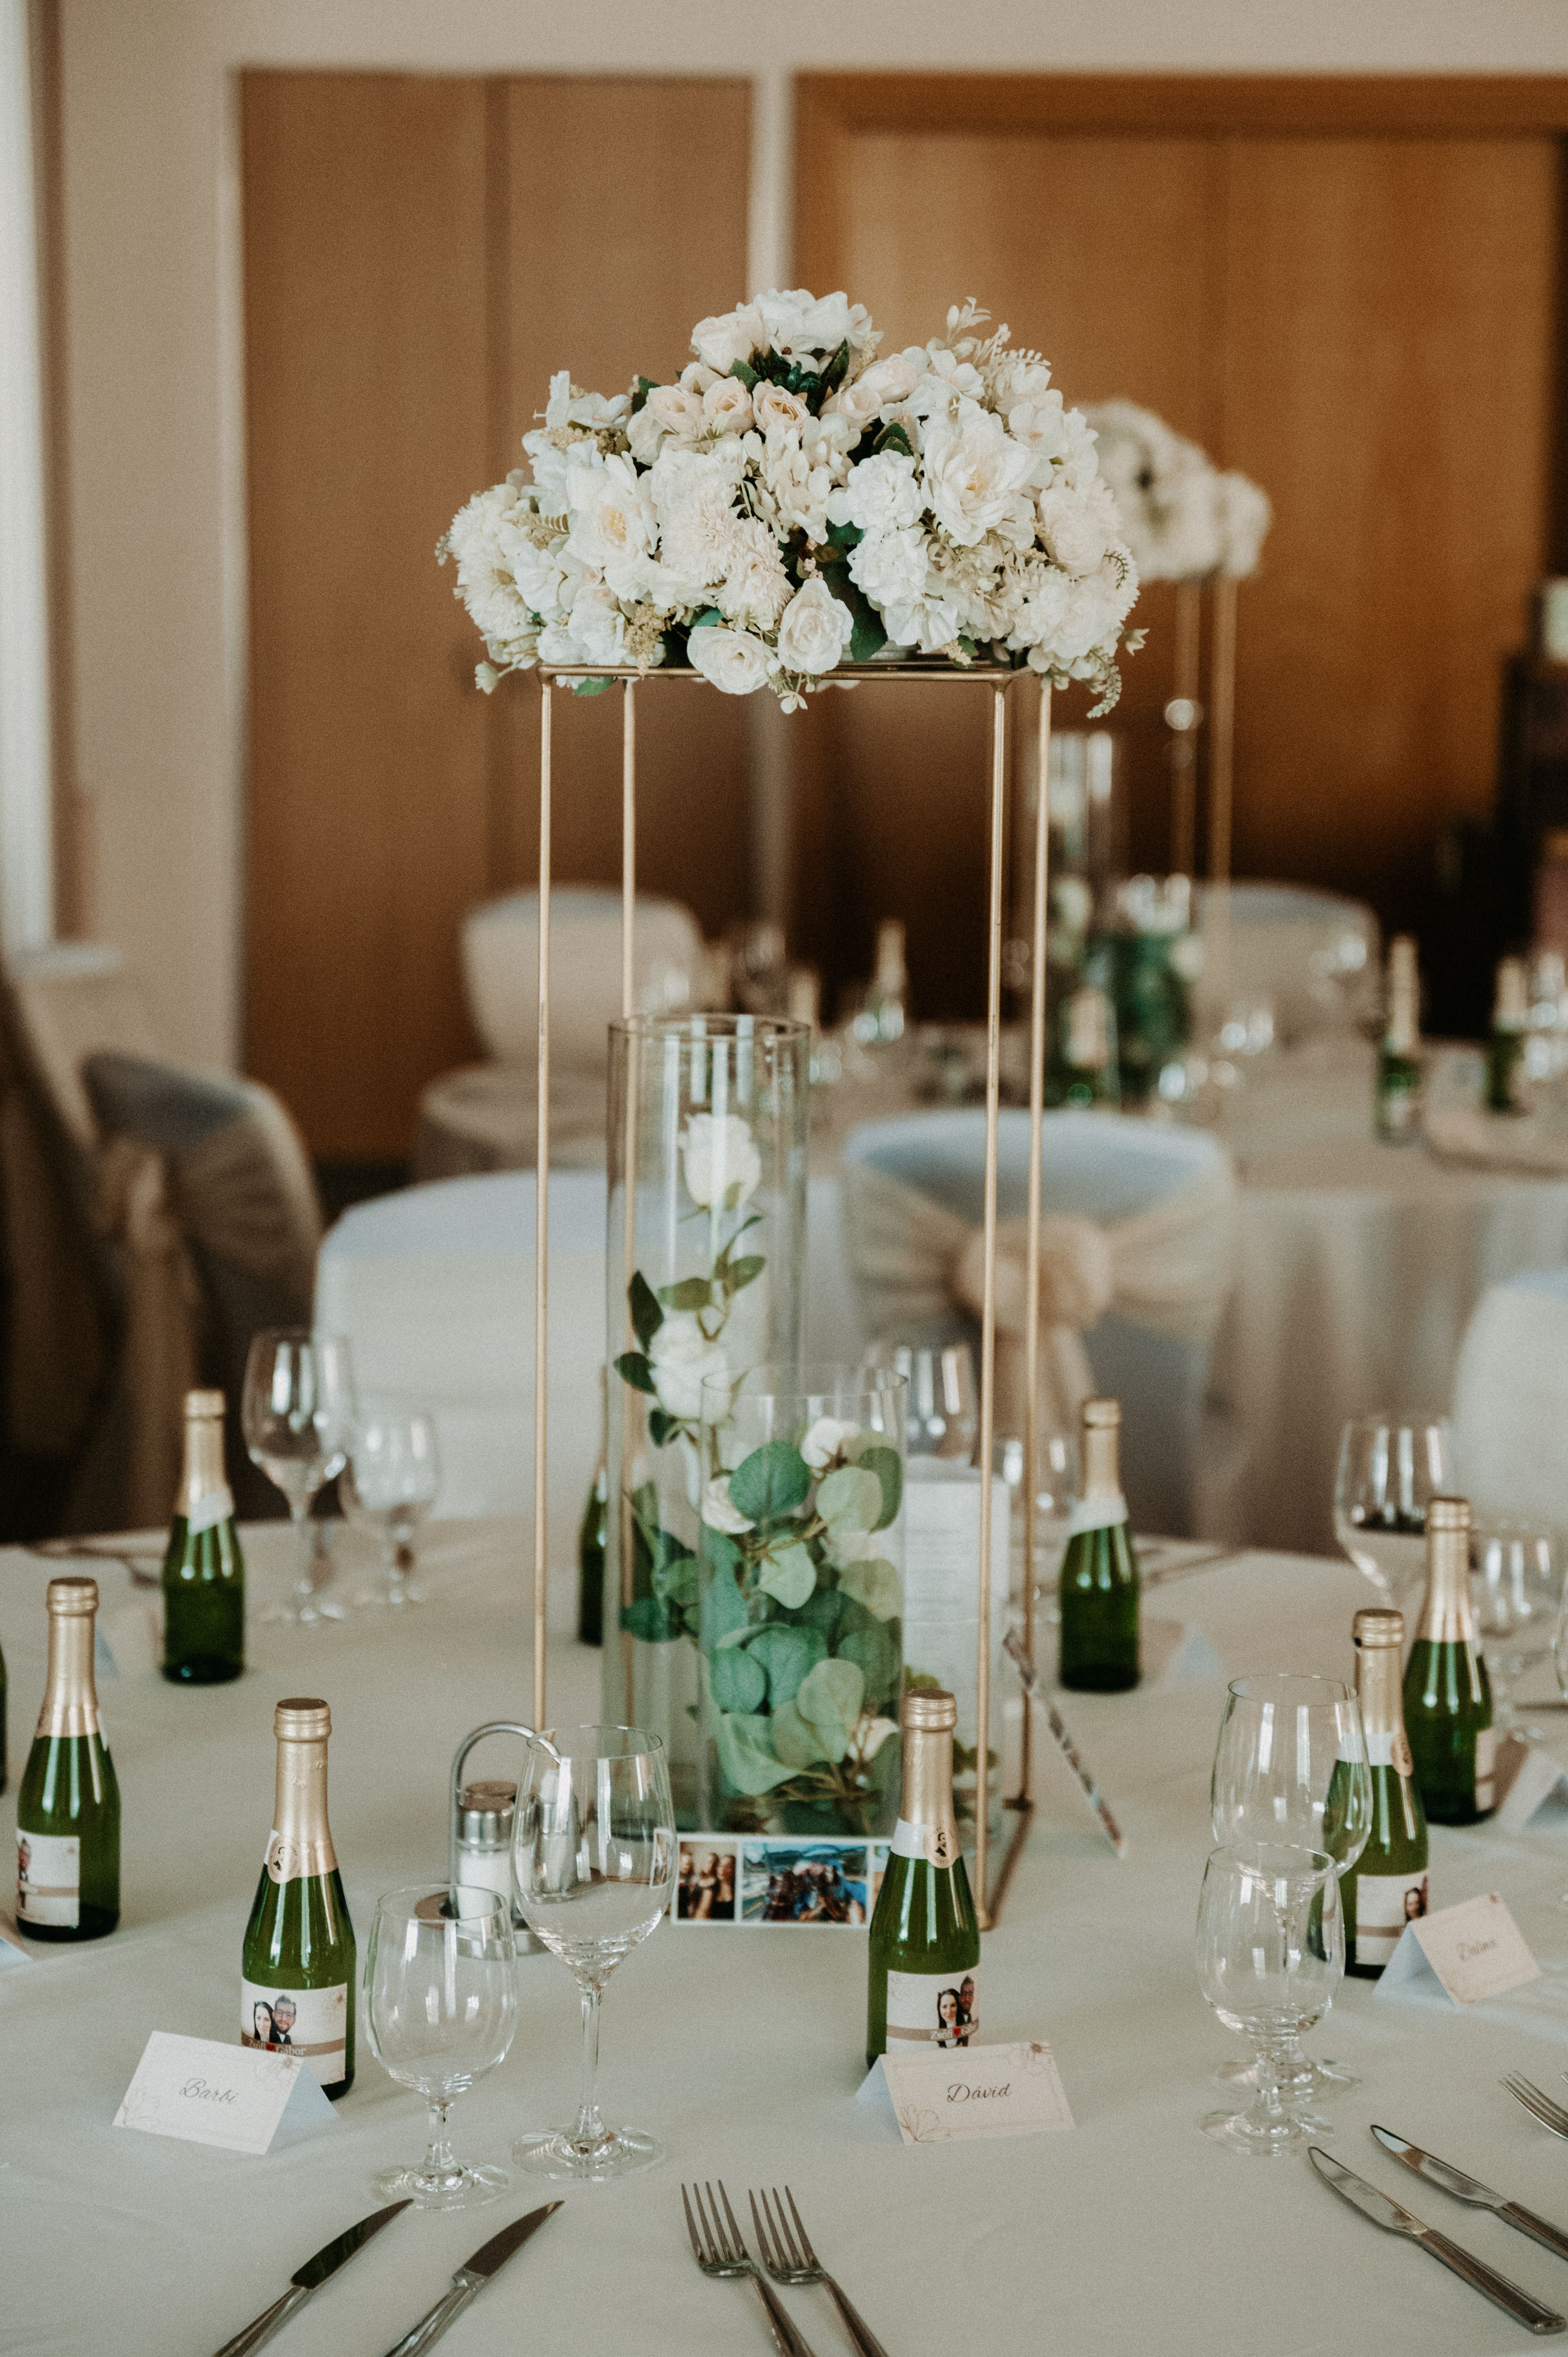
x: 718, y: 2254
x: 1541, y: 2107
x: 787, y: 2255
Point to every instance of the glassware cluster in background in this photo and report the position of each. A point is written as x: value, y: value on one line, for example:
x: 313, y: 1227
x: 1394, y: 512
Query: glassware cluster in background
x: 1390, y: 1466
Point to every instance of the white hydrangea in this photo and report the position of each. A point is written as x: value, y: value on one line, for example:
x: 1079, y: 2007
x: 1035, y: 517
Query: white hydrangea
x: 1183, y: 520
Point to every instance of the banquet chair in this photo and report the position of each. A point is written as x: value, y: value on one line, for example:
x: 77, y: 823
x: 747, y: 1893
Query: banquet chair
x: 1510, y: 1403
x: 1136, y: 1243
x: 1312, y: 955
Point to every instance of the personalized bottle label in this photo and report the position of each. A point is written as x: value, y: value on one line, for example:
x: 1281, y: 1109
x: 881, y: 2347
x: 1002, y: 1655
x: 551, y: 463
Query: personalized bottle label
x: 1389, y: 1751
x: 1485, y: 1766
x: 934, y: 2009
x: 309, y: 2022
x: 1385, y: 1903
x: 938, y: 1845
x: 48, y: 1878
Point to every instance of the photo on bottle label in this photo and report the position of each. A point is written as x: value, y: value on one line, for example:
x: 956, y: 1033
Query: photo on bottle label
x: 1385, y: 1903
x: 311, y: 2023
x: 934, y: 2009
x: 49, y: 1879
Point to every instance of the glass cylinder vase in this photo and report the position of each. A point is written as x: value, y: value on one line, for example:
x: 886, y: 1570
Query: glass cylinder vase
x: 706, y: 1244
x: 801, y: 1600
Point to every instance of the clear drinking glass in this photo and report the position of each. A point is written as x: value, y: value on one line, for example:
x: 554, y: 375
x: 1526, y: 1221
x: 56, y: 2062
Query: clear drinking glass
x: 1516, y: 1592
x: 389, y: 1485
x: 1291, y: 1768
x: 594, y: 1851
x: 295, y: 1412
x: 441, y: 2003
x: 944, y: 1403
x: 1390, y: 1466
x: 1270, y: 1954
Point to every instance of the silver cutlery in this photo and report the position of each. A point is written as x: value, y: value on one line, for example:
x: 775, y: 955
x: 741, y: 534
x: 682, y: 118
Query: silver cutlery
x: 1541, y: 2107
x: 719, y: 2253
x: 141, y: 1553
x: 309, y: 2278
x: 787, y: 2255
x: 1465, y: 2189
x: 471, y: 2278
x: 1387, y: 2213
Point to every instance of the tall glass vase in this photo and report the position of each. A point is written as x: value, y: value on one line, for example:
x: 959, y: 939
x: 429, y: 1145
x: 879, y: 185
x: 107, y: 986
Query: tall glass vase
x: 802, y: 1590
x: 706, y: 1250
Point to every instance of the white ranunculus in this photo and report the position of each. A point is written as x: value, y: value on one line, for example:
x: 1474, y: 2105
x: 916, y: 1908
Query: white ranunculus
x: 771, y: 405
x: 826, y: 1440
x: 881, y: 494
x: 729, y: 337
x: 717, y: 1512
x: 598, y: 625
x: 726, y: 406
x: 890, y: 566
x: 696, y: 378
x: 680, y: 412
x: 756, y: 589
x: 1069, y: 531
x: 974, y: 473
x: 929, y: 622
x: 681, y: 1358
x: 735, y: 663
x: 815, y: 629
x: 718, y: 1154
x: 613, y: 522
x: 882, y: 386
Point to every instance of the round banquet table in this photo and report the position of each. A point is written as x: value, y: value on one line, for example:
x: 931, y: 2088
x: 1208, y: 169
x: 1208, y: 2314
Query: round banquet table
x: 742, y: 2047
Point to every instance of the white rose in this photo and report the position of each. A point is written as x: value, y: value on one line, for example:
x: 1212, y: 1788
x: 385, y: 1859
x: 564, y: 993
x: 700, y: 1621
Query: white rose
x: 974, y: 473
x: 681, y: 1358
x: 881, y: 494
x: 727, y: 405
x: 755, y: 589
x: 735, y: 663
x: 718, y: 1152
x: 729, y: 337
x: 929, y: 622
x: 598, y: 625
x: 613, y: 522
x: 890, y: 566
x: 825, y: 1440
x: 771, y: 405
x: 647, y: 434
x: 678, y: 411
x: 1069, y: 531
x: 815, y: 629
x: 717, y: 1512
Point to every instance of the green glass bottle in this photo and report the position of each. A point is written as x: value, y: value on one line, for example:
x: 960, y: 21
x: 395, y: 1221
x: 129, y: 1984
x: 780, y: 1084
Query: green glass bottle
x: 297, y: 1965
x: 1447, y: 1695
x: 1081, y: 1071
x: 1399, y: 1064
x: 924, y: 1970
x: 1505, y: 1048
x: 204, y: 1570
x: 68, y: 1809
x: 1387, y: 1886
x: 1098, y: 1583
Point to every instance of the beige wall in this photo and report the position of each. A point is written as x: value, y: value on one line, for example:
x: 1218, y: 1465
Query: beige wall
x: 155, y: 423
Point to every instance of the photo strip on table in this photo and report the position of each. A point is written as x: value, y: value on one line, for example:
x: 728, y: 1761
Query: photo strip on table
x: 742, y: 1880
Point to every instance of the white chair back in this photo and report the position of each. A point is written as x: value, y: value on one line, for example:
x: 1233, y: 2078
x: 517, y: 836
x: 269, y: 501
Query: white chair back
x: 1510, y: 1403
x: 1312, y: 955
x: 500, y: 969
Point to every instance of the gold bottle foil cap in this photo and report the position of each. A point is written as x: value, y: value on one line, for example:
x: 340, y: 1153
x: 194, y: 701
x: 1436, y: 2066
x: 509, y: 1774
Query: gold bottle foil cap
x: 1448, y: 1513
x: 203, y: 1404
x: 929, y: 1712
x: 1379, y: 1626
x: 1101, y: 1415
x: 74, y: 1595
x: 301, y: 1717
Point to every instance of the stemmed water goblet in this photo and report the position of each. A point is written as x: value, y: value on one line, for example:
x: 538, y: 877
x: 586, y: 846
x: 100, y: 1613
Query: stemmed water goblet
x: 295, y: 1413
x: 595, y: 1855
x: 1515, y: 1589
x: 1390, y: 1466
x: 441, y: 2005
x: 1291, y: 1769
x: 1270, y: 1954
x: 387, y: 1485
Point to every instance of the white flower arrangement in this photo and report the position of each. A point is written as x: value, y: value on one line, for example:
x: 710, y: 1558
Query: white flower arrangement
x: 794, y: 501
x: 1183, y: 520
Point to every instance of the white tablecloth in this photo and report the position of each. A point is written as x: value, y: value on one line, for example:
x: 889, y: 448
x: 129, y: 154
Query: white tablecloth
x: 743, y: 2050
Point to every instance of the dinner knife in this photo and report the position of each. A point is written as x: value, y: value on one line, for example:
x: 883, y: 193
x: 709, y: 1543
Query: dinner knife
x: 1387, y: 2213
x: 309, y: 2278
x: 1465, y: 2189
x: 470, y: 2279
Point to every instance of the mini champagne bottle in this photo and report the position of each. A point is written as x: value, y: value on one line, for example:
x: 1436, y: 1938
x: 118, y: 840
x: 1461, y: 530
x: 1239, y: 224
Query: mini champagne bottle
x: 924, y: 1971
x: 297, y: 1964
x: 1098, y: 1586
x: 1448, y: 1697
x: 1399, y: 1065
x: 1082, y: 1072
x: 1505, y: 1049
x: 68, y: 1810
x: 204, y: 1570
x: 1387, y: 1886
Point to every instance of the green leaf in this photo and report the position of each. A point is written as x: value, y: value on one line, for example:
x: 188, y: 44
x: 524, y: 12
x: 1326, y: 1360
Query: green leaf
x: 797, y: 1740
x: 643, y: 1303
x: 591, y: 687
x: 850, y: 1499
x: 723, y: 1605
x: 787, y: 1653
x: 869, y: 635
x: 739, y: 1684
x: 651, y: 1619
x: 644, y: 385
x: 837, y: 368
x: 691, y: 1293
x: 747, y: 1761
x: 823, y: 1611
x: 709, y: 620
x: 885, y: 1464
x: 676, y: 1579
x: 790, y: 1576
x: 745, y: 372
x: 743, y: 1272
x: 660, y: 1427
x: 877, y: 1585
x: 893, y: 437
x: 846, y: 535
x: 876, y: 1653
x: 774, y: 1479
x: 634, y: 1369
x: 833, y: 1690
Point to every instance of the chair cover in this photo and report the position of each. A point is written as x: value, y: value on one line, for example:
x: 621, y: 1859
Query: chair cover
x: 1134, y: 1269
x: 1312, y: 954
x: 500, y: 968
x: 1510, y: 1403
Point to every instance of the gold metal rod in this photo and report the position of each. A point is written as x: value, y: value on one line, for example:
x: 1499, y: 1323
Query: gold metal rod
x: 542, y: 1223
x: 950, y: 674
x: 631, y: 1401
x: 988, y: 1303
x: 1015, y: 1849
x: 1183, y: 746
x: 1037, y: 976
x: 629, y: 850
x: 1222, y: 731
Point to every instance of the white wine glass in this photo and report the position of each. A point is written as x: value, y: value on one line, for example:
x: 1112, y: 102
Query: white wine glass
x: 295, y: 1412
x: 387, y: 1485
x: 595, y: 1856
x: 1270, y: 1954
x: 441, y: 2005
x: 1516, y: 1593
x: 944, y: 1406
x: 1390, y: 1466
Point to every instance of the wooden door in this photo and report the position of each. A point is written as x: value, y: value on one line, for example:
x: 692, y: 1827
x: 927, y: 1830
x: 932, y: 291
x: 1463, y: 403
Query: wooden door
x: 1341, y: 306
x: 421, y: 253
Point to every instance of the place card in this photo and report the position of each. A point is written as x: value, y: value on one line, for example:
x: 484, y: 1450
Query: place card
x: 1176, y: 1653
x: 1528, y: 1780
x: 1472, y: 1950
x: 14, y: 1949
x: 235, y: 2096
x: 946, y: 2095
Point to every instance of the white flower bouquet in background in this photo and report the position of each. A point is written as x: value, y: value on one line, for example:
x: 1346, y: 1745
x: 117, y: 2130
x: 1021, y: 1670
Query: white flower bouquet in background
x: 1182, y: 518
x: 794, y: 502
